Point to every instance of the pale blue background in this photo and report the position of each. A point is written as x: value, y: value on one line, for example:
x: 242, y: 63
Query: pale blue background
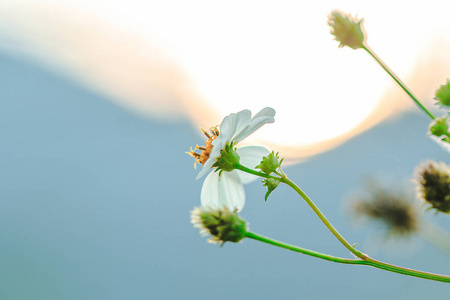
x: 95, y: 202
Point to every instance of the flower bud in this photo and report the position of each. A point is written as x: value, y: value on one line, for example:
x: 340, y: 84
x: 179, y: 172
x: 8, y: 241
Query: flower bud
x: 271, y: 184
x: 434, y: 185
x: 228, y: 159
x: 346, y: 29
x: 223, y: 224
x: 439, y: 127
x: 270, y: 163
x: 443, y: 94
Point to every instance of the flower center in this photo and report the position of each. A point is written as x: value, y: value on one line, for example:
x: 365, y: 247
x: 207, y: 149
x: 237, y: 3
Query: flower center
x: 205, y: 151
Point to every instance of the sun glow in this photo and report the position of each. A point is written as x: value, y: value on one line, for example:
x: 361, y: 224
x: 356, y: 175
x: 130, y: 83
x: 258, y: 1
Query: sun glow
x: 208, y: 59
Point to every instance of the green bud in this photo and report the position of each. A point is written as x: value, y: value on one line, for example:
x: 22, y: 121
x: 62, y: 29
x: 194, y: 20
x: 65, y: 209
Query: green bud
x: 270, y: 163
x: 228, y: 159
x: 271, y: 184
x: 434, y: 185
x: 443, y: 94
x: 346, y: 29
x: 439, y: 127
x: 223, y: 224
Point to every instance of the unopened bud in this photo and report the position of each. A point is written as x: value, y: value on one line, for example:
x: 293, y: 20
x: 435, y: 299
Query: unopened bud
x: 443, y: 94
x: 270, y: 163
x: 439, y: 127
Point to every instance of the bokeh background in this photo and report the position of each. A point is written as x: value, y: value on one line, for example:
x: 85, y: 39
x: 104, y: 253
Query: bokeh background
x: 95, y: 117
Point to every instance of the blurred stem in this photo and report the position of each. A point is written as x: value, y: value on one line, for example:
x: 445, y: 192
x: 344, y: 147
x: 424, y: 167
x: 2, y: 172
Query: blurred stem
x: 436, y: 236
x: 398, y: 80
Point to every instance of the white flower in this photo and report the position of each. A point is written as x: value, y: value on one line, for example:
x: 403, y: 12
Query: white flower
x: 226, y: 188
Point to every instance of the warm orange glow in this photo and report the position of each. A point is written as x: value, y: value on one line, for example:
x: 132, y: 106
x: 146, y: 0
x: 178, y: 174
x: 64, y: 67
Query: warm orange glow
x: 197, y: 61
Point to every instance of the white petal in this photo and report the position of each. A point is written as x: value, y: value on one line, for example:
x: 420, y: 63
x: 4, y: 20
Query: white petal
x: 443, y: 144
x: 250, y: 157
x: 228, y: 126
x: 244, y: 118
x: 265, y: 112
x: 266, y: 115
x: 224, y: 191
x: 206, y: 167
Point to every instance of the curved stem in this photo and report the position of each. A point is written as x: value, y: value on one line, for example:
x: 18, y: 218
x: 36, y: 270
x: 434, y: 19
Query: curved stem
x: 303, y: 250
x: 398, y: 81
x: 366, y: 261
x: 323, y: 218
x: 406, y: 271
x: 302, y: 194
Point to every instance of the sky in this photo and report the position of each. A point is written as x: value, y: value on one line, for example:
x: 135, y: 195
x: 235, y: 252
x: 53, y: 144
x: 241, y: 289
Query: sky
x: 202, y: 60
x: 95, y: 193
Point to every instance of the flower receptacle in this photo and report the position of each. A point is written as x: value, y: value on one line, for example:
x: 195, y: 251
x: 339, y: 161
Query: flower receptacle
x: 228, y: 159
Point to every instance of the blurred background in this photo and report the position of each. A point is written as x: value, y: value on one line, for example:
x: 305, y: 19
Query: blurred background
x: 100, y: 100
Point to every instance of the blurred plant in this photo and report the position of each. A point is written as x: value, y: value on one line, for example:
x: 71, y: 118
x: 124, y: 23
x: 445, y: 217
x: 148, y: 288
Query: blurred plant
x: 399, y: 214
x: 395, y: 211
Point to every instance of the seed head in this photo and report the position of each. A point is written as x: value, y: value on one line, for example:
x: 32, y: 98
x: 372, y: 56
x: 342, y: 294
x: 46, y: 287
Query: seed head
x: 347, y: 30
x: 222, y: 224
x: 433, y: 180
x: 394, y: 210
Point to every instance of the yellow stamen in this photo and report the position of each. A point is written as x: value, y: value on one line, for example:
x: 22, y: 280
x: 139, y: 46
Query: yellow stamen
x: 205, y: 151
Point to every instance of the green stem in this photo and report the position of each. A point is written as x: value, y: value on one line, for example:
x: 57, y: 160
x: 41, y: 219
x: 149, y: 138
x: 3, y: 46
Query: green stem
x: 253, y: 172
x: 366, y: 261
x: 323, y: 218
x: 303, y: 250
x: 398, y: 80
x: 302, y: 194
